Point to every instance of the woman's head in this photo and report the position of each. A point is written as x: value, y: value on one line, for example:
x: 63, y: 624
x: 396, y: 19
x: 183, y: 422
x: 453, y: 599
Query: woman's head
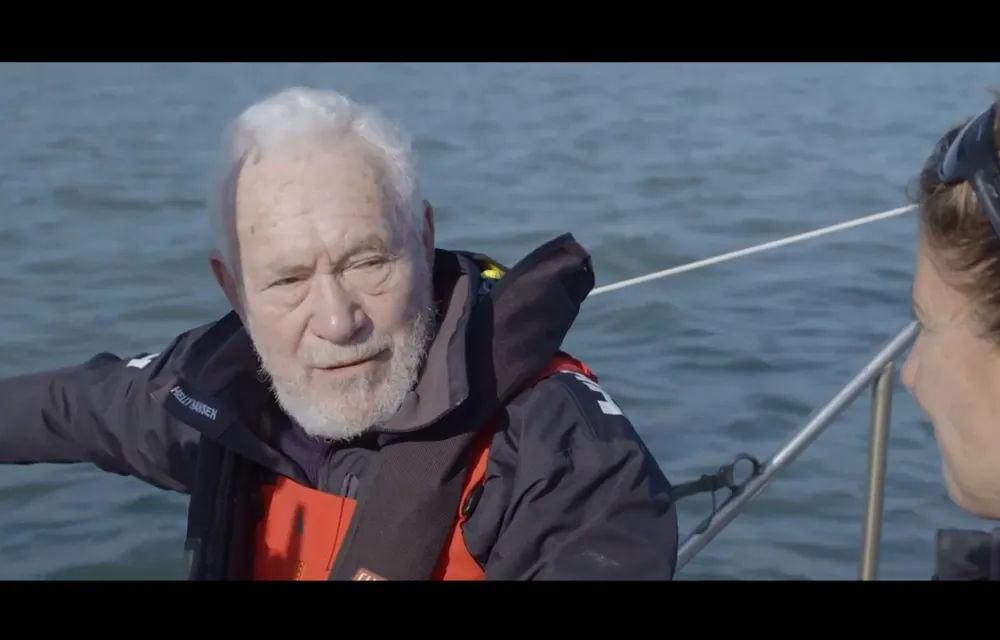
x: 954, y: 367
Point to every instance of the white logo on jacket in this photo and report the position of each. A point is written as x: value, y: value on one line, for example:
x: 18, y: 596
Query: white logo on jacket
x: 607, y: 405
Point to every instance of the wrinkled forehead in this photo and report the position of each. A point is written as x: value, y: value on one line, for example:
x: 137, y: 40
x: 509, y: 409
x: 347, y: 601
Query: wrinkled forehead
x: 291, y: 201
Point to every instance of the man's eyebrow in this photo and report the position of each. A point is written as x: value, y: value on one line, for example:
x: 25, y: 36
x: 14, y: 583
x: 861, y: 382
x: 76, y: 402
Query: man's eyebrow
x: 370, y: 243
x: 280, y: 269
x: 280, y: 265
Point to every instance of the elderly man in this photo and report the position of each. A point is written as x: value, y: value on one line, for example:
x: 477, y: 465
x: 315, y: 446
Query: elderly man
x: 373, y: 408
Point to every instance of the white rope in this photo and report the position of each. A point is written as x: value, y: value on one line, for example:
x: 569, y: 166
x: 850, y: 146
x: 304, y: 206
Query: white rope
x: 732, y: 255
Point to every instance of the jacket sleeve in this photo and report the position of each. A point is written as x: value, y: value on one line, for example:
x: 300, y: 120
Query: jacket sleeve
x: 583, y: 497
x: 98, y: 412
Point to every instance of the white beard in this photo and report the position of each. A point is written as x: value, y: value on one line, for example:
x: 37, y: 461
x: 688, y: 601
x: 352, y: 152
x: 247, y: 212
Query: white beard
x: 348, y: 408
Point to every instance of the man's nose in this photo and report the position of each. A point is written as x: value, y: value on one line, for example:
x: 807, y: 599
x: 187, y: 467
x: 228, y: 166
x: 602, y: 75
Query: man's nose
x: 336, y: 316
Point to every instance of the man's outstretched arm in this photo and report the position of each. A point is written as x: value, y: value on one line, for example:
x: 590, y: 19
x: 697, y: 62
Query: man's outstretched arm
x: 98, y: 412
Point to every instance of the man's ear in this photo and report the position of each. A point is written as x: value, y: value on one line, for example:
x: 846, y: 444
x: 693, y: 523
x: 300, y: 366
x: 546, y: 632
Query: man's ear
x: 226, y: 281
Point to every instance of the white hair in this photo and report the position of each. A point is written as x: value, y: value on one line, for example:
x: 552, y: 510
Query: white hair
x: 316, y: 117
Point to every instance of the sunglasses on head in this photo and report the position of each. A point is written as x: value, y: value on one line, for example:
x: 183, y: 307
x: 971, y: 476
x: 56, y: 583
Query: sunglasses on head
x: 970, y: 155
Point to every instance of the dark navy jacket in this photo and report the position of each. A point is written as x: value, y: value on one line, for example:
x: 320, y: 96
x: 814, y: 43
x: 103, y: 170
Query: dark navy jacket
x: 966, y: 554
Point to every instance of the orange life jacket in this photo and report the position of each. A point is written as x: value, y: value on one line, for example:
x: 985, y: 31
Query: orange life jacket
x: 303, y: 529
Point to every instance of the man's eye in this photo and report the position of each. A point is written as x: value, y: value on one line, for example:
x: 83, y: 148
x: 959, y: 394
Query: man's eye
x: 284, y: 282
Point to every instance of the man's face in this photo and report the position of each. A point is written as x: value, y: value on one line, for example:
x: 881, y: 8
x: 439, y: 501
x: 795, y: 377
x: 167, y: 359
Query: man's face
x: 336, y: 288
x: 954, y: 373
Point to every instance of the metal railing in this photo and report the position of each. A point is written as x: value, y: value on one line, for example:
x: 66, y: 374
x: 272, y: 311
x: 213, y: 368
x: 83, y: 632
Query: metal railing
x: 878, y: 374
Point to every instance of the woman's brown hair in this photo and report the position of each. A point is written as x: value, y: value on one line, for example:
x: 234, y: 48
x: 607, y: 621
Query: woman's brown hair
x: 959, y: 236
